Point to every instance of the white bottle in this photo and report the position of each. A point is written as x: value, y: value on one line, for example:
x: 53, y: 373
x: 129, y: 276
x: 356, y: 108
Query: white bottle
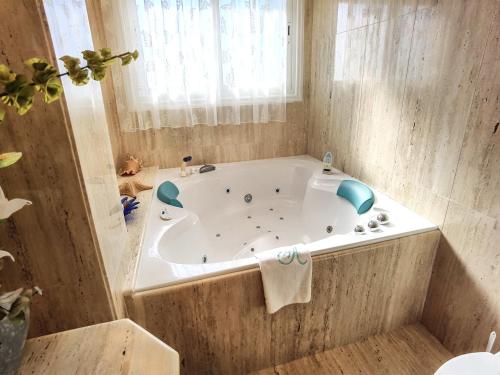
x: 327, y: 163
x: 185, y: 170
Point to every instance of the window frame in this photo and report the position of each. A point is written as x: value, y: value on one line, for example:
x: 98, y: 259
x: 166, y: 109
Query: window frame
x: 295, y: 45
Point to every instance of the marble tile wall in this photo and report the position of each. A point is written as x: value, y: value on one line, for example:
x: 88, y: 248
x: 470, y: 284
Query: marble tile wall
x: 89, y: 126
x: 219, y: 325
x: 406, y: 95
x: 53, y: 240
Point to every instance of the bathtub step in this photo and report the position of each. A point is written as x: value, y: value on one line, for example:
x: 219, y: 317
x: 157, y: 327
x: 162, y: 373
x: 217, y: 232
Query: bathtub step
x: 408, y: 350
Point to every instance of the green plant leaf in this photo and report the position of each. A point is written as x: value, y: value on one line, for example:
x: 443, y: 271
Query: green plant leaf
x: 91, y: 55
x: 105, y: 53
x: 9, y: 158
x: 6, y: 75
x: 135, y: 54
x: 98, y: 73
x: 36, y: 64
x: 2, y: 114
x: 127, y: 59
x: 24, y: 99
x: 79, y: 77
x: 13, y: 87
x: 70, y: 62
x: 42, y: 70
x: 52, y: 90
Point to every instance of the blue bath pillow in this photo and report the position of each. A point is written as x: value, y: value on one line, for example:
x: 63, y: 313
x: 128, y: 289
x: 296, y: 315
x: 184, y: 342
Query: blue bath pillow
x: 167, y: 192
x: 360, y: 195
x: 175, y: 202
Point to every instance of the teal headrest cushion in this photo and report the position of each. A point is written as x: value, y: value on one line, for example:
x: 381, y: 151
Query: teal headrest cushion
x: 167, y: 192
x: 360, y: 195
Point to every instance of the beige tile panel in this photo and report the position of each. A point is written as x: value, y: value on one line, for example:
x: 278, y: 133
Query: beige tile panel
x: 444, y: 64
x: 219, y: 324
x: 384, y: 74
x: 218, y: 144
x: 383, y: 10
x: 118, y: 347
x: 53, y: 240
x: 447, y: 146
x: 463, y: 300
x: 477, y: 182
x: 408, y: 350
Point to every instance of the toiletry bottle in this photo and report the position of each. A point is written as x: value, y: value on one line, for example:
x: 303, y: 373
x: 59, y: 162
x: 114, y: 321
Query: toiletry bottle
x: 327, y: 163
x: 184, y: 167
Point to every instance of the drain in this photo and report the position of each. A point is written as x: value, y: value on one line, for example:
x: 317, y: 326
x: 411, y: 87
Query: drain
x: 217, y: 235
x: 204, y: 259
x: 281, y: 218
x: 228, y: 190
x: 248, y: 198
x: 277, y: 190
x: 329, y: 229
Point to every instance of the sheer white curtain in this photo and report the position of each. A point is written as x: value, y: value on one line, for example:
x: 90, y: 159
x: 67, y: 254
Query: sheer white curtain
x: 201, y: 61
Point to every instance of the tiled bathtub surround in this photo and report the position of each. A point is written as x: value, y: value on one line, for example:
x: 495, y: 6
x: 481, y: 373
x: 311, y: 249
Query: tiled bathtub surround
x: 219, y: 325
x: 406, y: 94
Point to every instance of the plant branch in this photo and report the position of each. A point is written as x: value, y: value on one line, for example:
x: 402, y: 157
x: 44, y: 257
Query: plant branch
x: 83, y: 67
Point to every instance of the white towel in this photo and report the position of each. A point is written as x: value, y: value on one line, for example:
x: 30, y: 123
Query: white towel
x: 286, y: 276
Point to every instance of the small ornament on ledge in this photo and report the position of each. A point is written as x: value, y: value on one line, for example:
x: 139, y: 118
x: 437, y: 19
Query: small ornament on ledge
x: 132, y: 188
x: 130, y: 166
x: 129, y: 205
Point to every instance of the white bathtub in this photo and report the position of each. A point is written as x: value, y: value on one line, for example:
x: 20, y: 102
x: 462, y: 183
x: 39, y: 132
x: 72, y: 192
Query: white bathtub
x: 292, y: 202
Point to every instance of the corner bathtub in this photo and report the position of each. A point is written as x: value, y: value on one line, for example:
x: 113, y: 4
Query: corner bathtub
x: 218, y: 231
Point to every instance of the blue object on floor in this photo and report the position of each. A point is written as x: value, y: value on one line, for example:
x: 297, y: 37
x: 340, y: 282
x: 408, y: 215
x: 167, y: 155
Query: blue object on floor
x: 167, y: 192
x: 360, y: 195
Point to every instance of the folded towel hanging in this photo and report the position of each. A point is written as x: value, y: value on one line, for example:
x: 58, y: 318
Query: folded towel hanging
x: 286, y: 276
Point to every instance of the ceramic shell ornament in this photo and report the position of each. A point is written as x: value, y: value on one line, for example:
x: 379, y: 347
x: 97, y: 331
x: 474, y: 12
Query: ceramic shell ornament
x: 130, y: 166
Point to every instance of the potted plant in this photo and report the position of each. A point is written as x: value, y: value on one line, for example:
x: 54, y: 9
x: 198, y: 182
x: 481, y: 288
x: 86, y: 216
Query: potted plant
x: 19, y: 93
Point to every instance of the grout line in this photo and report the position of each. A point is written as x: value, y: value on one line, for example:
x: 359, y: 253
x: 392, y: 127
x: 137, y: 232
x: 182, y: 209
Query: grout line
x: 391, y: 18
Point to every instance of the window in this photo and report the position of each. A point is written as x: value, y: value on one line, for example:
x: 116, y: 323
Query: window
x: 220, y: 50
x: 295, y: 9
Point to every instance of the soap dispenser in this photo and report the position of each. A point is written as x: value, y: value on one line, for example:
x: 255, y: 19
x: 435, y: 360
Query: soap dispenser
x: 327, y: 163
x: 184, y: 169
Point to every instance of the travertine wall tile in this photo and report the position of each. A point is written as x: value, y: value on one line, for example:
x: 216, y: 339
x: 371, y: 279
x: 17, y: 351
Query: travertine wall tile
x: 427, y: 134
x: 463, y: 301
x: 444, y: 64
x: 53, y: 240
x: 219, y: 325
